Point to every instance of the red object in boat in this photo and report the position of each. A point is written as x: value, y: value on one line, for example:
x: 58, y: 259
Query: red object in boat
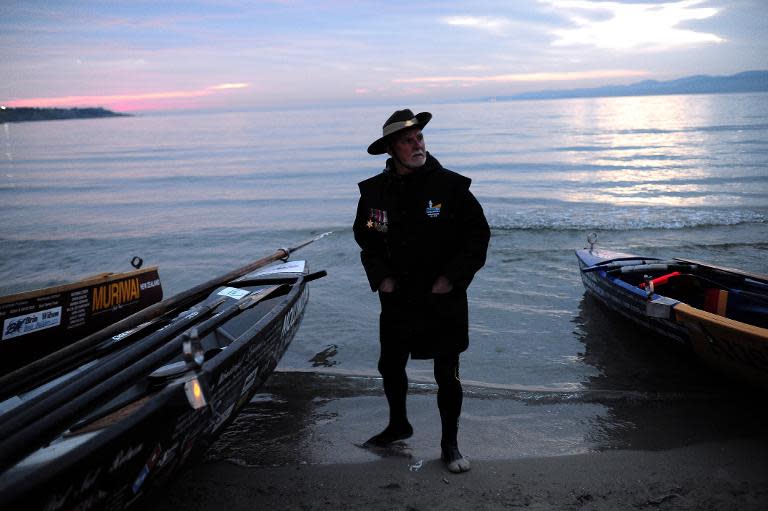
x: 661, y: 280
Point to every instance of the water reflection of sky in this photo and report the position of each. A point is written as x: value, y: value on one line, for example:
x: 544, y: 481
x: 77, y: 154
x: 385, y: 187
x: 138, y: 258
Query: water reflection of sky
x: 296, y: 169
x: 675, y: 151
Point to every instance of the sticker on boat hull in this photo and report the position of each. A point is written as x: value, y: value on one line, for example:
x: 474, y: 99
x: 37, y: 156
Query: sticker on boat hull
x: 289, y: 267
x: 297, y: 309
x: 222, y: 417
x: 32, y: 322
x: 233, y: 292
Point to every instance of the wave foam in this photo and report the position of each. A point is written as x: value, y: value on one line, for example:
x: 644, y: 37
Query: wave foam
x: 594, y: 218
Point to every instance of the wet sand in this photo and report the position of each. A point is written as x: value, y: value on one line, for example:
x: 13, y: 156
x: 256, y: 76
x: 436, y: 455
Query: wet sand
x: 722, y: 476
x: 295, y: 447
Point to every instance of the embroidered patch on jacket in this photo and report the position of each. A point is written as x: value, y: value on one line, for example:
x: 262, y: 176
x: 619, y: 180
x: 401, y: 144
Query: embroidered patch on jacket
x: 433, y: 211
x: 377, y: 219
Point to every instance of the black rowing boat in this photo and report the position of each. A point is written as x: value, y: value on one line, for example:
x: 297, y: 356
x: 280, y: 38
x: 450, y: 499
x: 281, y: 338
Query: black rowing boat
x: 109, y: 426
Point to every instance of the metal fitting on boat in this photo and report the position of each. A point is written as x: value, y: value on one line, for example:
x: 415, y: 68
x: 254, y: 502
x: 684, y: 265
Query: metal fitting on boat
x: 192, y: 348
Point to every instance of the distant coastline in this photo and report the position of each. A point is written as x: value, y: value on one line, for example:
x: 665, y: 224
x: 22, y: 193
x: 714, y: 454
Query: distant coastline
x: 28, y: 114
x: 748, y: 81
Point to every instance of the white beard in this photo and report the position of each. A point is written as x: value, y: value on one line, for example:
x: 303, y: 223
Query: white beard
x: 414, y: 162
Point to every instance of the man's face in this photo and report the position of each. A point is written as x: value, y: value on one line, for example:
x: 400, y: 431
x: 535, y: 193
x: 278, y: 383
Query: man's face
x: 410, y: 149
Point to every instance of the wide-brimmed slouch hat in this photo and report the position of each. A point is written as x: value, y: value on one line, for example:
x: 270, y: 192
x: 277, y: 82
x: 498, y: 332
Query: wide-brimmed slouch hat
x: 398, y: 121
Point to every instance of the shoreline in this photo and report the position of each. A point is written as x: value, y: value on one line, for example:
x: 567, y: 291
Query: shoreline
x: 295, y: 447
x: 38, y: 114
x: 722, y: 476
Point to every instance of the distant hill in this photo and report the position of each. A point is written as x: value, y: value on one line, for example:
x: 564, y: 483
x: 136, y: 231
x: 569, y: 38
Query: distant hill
x: 24, y: 114
x: 748, y: 81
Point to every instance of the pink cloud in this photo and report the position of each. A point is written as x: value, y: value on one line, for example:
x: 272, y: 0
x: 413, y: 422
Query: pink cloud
x: 130, y: 102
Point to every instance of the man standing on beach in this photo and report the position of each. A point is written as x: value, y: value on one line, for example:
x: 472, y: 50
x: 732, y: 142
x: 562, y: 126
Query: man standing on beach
x: 423, y: 237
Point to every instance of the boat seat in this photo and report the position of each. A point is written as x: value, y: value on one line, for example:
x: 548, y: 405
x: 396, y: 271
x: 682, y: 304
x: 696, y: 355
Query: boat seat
x: 716, y: 301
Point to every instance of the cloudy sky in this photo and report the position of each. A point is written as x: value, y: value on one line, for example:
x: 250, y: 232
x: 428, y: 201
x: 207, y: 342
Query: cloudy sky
x: 134, y: 55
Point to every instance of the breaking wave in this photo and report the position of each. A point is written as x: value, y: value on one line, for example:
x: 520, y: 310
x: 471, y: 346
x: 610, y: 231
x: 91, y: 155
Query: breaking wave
x: 622, y: 219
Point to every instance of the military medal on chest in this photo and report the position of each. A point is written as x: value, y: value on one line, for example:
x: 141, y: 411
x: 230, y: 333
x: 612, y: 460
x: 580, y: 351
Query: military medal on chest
x: 377, y: 219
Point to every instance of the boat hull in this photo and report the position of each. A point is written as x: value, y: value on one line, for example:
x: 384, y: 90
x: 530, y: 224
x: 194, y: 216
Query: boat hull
x: 111, y: 462
x: 37, y: 323
x: 627, y: 300
x: 731, y: 347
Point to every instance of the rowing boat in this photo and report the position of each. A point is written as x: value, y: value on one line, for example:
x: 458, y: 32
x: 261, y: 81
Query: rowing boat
x: 39, y: 322
x: 109, y: 427
x: 720, y: 314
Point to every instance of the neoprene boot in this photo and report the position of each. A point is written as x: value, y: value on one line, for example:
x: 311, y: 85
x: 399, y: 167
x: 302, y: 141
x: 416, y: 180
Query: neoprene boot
x: 392, y: 433
x: 398, y: 428
x: 453, y: 459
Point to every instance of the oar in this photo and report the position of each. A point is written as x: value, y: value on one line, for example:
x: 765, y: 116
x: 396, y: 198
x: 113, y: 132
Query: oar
x: 52, y: 364
x: 22, y: 431
x: 637, y: 262
x: 137, y: 349
x: 620, y: 261
x: 652, y: 267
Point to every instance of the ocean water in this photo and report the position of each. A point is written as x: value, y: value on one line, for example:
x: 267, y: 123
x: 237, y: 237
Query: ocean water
x: 201, y: 194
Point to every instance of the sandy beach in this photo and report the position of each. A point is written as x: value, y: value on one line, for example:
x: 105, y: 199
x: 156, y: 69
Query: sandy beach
x: 302, y: 454
x: 720, y: 476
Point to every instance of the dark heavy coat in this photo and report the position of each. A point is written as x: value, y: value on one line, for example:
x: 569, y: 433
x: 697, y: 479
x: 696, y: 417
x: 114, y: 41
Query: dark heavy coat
x: 415, y: 228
